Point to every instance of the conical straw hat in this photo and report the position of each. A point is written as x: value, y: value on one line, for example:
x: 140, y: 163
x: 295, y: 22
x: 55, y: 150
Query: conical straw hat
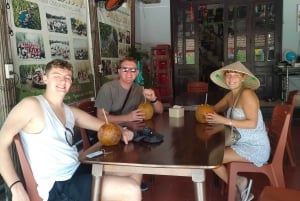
x: 250, y: 80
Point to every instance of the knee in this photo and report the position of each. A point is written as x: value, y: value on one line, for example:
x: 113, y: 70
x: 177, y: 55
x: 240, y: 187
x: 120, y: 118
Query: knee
x: 133, y: 191
x: 128, y: 189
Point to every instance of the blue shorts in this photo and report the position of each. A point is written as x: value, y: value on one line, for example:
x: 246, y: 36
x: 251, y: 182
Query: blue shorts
x: 77, y: 188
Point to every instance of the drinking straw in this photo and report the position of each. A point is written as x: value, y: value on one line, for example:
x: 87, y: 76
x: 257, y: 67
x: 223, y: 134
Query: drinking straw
x: 205, y: 98
x: 106, y: 120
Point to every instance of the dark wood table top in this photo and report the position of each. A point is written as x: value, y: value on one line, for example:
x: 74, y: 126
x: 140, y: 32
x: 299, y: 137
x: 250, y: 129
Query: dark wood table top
x: 186, y: 144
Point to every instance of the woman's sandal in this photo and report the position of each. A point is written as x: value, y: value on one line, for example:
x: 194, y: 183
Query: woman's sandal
x: 246, y: 195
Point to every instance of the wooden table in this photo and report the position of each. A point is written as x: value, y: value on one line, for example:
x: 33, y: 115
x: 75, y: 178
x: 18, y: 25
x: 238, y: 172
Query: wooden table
x: 187, y: 150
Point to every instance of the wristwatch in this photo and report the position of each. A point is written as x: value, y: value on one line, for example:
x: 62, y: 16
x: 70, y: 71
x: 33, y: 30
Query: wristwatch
x: 154, y: 101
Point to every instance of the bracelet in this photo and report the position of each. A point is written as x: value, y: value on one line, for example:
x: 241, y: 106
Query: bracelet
x: 12, y: 185
x: 154, y: 101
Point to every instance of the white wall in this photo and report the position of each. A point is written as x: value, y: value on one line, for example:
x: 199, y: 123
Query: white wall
x: 290, y: 35
x: 152, y: 23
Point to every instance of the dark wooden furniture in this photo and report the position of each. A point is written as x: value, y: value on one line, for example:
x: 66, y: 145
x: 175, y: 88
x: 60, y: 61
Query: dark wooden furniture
x: 187, y: 150
x: 207, y: 35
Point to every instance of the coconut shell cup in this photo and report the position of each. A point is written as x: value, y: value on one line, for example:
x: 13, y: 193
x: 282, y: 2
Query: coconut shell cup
x: 201, y: 111
x: 109, y: 134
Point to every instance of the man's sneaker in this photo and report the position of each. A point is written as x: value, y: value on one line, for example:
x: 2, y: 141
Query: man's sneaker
x: 144, y: 186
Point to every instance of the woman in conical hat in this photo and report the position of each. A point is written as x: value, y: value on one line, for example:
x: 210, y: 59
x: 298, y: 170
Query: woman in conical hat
x: 242, y: 111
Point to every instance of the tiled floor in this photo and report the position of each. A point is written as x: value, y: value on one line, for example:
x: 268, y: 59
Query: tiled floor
x: 167, y: 188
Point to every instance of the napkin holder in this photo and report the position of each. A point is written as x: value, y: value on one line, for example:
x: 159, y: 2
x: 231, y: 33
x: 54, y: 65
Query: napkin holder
x: 176, y: 112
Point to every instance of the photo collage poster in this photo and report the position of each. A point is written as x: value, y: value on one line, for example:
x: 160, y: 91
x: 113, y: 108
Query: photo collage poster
x: 43, y: 30
x: 115, y: 36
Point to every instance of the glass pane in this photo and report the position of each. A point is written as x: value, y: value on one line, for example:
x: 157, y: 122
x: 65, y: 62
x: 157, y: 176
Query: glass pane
x: 190, y: 51
x: 178, y: 52
x: 264, y: 16
x: 189, y: 22
x: 178, y: 57
x: 237, y: 29
x: 241, y: 48
x: 231, y: 50
x: 210, y: 33
x: 271, y: 46
x: 260, y: 42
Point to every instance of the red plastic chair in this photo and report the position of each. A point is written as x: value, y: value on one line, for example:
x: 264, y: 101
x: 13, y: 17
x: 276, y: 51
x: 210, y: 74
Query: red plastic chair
x: 31, y: 186
x: 279, y: 127
x: 289, y: 147
x: 197, y: 87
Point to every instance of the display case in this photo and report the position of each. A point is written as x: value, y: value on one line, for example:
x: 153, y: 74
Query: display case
x: 224, y: 31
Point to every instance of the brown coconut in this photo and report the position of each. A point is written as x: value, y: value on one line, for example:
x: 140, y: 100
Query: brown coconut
x: 109, y: 134
x: 201, y: 111
x: 147, y: 108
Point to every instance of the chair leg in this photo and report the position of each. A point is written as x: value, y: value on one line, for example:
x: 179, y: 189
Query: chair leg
x: 231, y: 193
x: 290, y: 149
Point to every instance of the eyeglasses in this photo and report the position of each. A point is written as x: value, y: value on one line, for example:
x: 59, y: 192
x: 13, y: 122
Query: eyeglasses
x: 126, y: 69
x: 69, y: 135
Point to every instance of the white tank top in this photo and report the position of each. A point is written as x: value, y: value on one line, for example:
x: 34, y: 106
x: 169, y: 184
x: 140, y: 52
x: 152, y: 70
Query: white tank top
x: 50, y: 156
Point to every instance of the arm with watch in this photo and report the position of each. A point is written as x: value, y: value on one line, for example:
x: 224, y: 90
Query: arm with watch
x: 150, y: 95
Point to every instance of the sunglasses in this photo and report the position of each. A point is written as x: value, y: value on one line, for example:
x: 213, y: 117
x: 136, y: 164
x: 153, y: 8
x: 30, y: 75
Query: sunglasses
x: 69, y: 135
x: 127, y: 69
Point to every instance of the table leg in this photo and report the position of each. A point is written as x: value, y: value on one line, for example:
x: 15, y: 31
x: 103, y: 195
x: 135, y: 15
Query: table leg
x: 198, y: 177
x: 97, y: 170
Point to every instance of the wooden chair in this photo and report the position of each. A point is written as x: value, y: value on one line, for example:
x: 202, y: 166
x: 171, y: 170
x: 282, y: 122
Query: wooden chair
x: 281, y: 118
x: 289, y: 146
x: 271, y: 193
x: 197, y: 87
x: 31, y: 186
x: 89, y: 107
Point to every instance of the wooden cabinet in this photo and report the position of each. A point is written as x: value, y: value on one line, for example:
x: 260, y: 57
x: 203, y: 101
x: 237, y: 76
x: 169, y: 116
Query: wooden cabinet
x: 208, y: 35
x: 161, y: 70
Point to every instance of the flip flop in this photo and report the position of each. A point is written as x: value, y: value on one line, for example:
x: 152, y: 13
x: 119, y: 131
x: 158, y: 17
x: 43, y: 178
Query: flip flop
x: 246, y: 194
x: 250, y: 197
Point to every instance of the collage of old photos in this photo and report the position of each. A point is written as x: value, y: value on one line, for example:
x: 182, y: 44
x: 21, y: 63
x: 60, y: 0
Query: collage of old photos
x: 44, y: 33
x: 115, y: 44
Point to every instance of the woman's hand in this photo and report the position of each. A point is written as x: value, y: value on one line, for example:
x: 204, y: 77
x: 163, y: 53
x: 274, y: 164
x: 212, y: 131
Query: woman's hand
x: 214, y: 118
x: 127, y: 135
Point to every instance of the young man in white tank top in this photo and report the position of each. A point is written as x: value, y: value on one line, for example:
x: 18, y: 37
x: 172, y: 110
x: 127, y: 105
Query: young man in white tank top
x: 43, y: 123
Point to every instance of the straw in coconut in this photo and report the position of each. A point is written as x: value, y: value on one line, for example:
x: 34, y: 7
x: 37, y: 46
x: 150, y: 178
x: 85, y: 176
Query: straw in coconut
x: 106, y: 120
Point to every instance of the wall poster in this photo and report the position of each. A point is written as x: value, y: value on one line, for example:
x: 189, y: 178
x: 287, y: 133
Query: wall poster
x: 115, y: 36
x: 44, y: 30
